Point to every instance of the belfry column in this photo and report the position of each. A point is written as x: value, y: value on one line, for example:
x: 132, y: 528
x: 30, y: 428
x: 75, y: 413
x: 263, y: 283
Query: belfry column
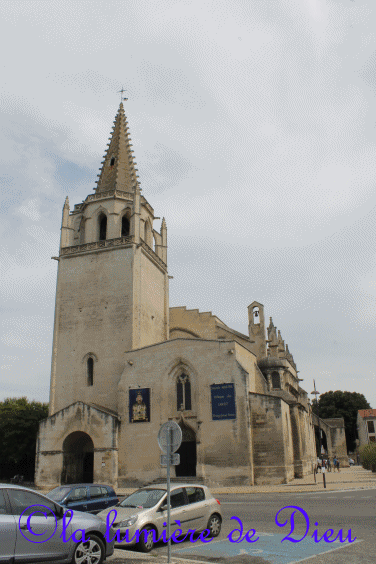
x: 137, y: 214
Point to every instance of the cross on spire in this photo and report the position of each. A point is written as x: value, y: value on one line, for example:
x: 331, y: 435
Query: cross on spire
x: 121, y: 94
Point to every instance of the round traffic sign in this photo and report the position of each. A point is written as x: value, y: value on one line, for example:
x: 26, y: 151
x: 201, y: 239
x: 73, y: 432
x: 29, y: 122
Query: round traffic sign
x: 170, y: 430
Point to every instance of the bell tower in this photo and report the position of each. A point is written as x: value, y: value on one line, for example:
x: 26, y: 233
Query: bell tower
x: 112, y: 281
x: 256, y: 328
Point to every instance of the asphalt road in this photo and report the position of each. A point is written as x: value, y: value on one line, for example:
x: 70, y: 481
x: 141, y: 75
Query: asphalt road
x: 355, y: 510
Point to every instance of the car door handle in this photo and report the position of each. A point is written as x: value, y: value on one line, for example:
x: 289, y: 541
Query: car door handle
x: 25, y: 527
x: 85, y: 506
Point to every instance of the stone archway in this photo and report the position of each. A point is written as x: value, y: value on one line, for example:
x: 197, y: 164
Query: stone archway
x: 78, y: 459
x: 187, y: 452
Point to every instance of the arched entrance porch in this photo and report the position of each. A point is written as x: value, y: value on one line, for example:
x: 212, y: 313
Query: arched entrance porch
x: 78, y: 459
x: 188, y: 453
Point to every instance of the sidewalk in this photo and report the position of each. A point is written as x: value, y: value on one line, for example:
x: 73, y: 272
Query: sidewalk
x: 354, y: 477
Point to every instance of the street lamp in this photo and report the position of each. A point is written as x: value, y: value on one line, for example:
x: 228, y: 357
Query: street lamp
x: 316, y: 393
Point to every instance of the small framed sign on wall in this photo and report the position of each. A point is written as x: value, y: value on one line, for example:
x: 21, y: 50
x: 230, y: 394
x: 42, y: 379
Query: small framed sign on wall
x: 139, y: 405
x: 223, y: 401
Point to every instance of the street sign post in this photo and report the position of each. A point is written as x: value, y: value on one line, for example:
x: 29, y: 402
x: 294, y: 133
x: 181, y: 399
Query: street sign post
x: 174, y: 459
x: 176, y: 437
x: 169, y: 440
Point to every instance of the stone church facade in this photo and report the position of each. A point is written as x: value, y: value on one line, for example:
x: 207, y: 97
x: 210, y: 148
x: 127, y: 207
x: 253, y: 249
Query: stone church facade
x: 124, y: 362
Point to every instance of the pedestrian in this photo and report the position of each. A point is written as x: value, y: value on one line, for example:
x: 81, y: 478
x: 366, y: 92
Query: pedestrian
x: 338, y: 464
x: 334, y: 463
x: 318, y: 464
x: 329, y: 465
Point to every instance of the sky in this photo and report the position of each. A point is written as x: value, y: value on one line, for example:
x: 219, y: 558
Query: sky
x: 253, y: 127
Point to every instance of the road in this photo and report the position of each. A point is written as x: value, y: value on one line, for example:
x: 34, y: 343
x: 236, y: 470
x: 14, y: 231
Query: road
x: 344, y: 510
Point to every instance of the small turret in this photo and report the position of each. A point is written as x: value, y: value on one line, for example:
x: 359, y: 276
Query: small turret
x: 65, y: 226
x: 164, y: 240
x: 273, y: 341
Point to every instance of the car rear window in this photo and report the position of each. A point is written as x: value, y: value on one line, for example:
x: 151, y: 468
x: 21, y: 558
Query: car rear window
x: 95, y: 491
x: 3, y: 507
x: 195, y: 494
x: 78, y: 494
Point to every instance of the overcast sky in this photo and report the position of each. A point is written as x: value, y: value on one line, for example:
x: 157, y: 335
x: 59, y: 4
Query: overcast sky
x: 253, y: 127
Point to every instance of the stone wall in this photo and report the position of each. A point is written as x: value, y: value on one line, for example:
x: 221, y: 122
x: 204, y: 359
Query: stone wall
x: 271, y: 440
x: 223, y: 447
x: 102, y: 428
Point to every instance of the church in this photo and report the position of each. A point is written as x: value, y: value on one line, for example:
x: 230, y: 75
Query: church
x: 124, y: 362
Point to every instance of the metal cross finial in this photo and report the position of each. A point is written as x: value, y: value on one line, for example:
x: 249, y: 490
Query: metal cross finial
x: 121, y: 95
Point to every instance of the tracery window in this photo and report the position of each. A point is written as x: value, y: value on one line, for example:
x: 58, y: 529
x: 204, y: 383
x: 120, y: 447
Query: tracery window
x: 183, y: 393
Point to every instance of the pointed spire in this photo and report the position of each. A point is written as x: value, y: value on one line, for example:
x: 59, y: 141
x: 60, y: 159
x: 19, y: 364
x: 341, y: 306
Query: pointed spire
x: 118, y: 167
x: 66, y: 203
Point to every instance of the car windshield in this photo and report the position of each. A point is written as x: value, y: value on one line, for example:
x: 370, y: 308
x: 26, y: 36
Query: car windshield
x: 58, y: 494
x: 143, y: 498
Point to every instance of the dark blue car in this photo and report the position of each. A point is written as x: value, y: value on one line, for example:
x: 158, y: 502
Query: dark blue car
x: 91, y: 498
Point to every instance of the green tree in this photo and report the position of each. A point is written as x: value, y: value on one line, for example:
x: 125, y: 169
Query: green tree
x: 342, y: 404
x: 19, y: 423
x: 368, y: 457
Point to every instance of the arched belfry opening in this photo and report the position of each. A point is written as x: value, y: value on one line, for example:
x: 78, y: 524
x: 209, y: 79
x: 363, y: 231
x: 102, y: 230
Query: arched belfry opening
x: 256, y: 315
x: 125, y: 227
x: 276, y: 381
x: 187, y: 452
x: 78, y: 459
x: 102, y: 220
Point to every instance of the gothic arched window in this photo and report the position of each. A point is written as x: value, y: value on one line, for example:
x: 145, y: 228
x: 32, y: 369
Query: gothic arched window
x: 124, y: 226
x: 183, y: 393
x: 276, y: 380
x: 102, y: 227
x: 90, y: 371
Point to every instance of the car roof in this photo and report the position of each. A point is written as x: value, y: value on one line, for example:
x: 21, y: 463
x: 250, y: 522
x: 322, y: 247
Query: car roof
x: 82, y: 485
x: 174, y: 485
x: 16, y: 486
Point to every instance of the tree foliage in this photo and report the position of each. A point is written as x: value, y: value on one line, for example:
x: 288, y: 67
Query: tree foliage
x: 342, y: 404
x: 368, y: 457
x: 19, y: 423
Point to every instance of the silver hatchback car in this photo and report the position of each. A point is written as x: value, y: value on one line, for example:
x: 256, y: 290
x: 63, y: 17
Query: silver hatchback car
x: 141, y: 517
x: 32, y: 529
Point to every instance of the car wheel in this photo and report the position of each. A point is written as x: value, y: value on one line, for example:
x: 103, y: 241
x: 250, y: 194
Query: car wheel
x: 146, y: 545
x: 214, y: 525
x: 89, y: 552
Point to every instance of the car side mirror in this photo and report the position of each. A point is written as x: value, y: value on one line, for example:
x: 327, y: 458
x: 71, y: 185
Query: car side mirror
x: 164, y: 507
x: 59, y: 512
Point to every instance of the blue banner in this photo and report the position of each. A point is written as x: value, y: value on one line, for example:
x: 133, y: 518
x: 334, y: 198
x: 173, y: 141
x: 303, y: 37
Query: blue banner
x: 223, y: 401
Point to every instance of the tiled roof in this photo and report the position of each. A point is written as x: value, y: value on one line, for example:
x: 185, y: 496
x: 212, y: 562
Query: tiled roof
x: 367, y: 413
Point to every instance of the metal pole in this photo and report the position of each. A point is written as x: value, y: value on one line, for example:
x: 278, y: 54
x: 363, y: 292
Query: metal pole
x: 169, y: 441
x: 323, y: 476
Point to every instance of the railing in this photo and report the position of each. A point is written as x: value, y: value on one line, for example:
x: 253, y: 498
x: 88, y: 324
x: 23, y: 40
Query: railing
x: 106, y: 194
x: 118, y: 242
x: 153, y: 254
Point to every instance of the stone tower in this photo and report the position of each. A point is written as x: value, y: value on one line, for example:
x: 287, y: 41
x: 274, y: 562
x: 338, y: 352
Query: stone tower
x: 256, y: 328
x: 112, y: 282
